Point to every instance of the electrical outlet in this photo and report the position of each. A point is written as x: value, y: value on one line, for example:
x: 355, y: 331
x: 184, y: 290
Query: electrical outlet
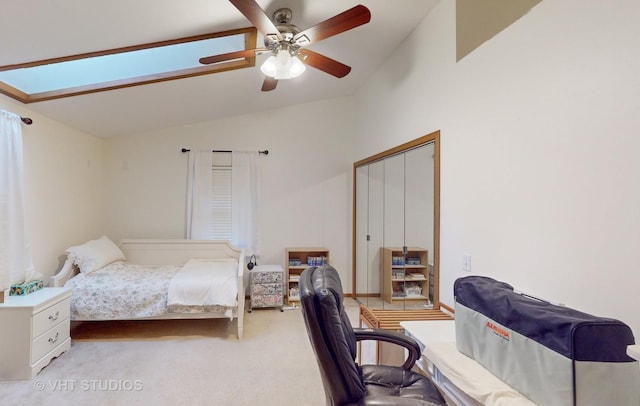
x: 466, y: 262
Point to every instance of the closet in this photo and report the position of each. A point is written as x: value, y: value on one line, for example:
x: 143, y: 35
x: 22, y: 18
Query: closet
x: 396, y: 226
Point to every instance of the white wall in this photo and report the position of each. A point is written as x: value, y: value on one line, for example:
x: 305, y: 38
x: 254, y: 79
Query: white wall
x: 540, y: 180
x: 539, y: 175
x: 63, y: 187
x: 305, y: 177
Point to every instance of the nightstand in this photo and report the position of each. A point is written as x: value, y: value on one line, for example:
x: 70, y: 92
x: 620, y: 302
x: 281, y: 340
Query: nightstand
x: 267, y: 287
x: 34, y: 329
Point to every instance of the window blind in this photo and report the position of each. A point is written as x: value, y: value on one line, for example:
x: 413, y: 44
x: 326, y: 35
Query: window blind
x: 220, y: 228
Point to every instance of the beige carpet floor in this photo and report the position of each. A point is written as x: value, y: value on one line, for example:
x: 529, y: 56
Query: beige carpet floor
x: 181, y: 362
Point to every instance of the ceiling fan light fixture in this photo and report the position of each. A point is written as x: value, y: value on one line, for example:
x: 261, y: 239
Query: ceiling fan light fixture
x: 297, y: 67
x: 283, y: 66
x: 269, y: 66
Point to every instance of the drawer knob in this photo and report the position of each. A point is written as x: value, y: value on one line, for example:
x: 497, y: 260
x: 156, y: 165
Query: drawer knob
x: 53, y: 340
x: 54, y: 317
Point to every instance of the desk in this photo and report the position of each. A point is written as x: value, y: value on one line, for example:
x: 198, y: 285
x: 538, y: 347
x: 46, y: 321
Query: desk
x: 431, y: 331
x: 462, y: 380
x: 427, y: 334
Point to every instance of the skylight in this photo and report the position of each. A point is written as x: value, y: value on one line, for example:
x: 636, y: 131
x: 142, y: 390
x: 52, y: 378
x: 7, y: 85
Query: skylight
x: 124, y: 67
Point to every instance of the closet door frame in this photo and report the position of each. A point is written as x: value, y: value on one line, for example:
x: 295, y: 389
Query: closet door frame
x: 434, y: 138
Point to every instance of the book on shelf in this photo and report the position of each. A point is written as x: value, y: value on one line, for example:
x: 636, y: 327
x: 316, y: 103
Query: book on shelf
x: 413, y: 261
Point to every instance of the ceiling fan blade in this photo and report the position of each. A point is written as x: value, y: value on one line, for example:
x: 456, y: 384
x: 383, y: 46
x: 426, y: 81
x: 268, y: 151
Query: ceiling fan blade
x: 324, y: 63
x: 269, y: 84
x: 342, y: 22
x: 247, y: 53
x: 257, y: 17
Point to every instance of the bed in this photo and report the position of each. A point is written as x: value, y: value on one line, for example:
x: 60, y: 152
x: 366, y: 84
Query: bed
x: 154, y: 279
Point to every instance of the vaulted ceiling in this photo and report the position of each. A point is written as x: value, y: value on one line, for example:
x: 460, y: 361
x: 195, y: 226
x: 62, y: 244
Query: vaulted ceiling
x: 34, y: 30
x: 40, y: 29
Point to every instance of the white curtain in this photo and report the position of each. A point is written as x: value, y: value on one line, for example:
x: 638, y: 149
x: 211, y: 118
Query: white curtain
x: 245, y: 192
x: 15, y: 258
x: 199, y: 195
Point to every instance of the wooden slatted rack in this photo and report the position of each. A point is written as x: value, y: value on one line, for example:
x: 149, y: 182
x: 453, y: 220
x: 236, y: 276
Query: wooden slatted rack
x: 386, y: 353
x: 390, y: 319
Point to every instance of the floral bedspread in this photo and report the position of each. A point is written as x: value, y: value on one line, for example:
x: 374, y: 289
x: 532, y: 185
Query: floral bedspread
x: 122, y: 290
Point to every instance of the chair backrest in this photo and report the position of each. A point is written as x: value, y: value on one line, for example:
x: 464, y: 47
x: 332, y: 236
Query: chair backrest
x: 331, y: 335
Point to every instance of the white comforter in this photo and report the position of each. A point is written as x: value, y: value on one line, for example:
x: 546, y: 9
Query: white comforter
x: 203, y: 282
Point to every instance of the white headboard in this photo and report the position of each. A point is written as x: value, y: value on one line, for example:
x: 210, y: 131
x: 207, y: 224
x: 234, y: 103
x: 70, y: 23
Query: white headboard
x: 177, y: 252
x: 164, y: 252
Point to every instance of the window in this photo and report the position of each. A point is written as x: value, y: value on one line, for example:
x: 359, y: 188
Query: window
x: 223, y: 197
x: 124, y: 67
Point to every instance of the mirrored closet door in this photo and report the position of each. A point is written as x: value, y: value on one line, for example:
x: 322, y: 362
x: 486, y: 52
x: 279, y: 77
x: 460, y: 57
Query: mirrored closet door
x: 396, y: 215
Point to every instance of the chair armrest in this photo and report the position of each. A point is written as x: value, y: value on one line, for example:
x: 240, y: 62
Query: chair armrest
x: 392, y: 337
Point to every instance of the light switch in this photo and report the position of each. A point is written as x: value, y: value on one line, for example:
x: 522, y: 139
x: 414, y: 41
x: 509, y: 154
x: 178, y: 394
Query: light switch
x: 466, y: 262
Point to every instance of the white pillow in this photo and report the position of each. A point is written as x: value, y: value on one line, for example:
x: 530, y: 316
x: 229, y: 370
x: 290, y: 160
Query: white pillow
x: 95, y: 254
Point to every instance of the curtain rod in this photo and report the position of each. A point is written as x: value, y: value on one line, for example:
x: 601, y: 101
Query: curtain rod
x: 266, y: 152
x: 26, y: 120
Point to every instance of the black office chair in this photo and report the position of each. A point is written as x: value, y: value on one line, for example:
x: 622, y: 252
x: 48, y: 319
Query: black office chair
x: 334, y: 342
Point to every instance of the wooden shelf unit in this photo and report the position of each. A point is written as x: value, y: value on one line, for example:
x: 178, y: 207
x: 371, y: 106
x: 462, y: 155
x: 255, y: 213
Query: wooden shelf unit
x: 293, y: 271
x: 402, y: 279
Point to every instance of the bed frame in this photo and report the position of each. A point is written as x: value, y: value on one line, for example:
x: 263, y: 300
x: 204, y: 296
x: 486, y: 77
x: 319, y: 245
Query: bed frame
x: 174, y: 252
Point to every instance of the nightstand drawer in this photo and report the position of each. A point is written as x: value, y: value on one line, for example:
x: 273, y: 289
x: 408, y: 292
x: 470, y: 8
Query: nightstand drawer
x: 267, y: 300
x: 267, y: 276
x: 51, y: 317
x: 267, y: 289
x: 50, y: 339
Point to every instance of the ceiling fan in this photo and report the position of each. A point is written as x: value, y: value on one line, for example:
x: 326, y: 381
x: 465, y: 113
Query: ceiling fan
x: 286, y: 42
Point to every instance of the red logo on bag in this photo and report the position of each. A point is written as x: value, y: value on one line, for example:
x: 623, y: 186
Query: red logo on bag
x: 497, y: 330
